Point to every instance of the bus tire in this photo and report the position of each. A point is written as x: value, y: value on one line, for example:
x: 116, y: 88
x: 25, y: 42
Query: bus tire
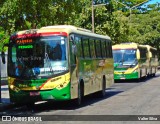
x: 140, y: 76
x: 102, y: 93
x: 78, y: 101
x: 153, y: 75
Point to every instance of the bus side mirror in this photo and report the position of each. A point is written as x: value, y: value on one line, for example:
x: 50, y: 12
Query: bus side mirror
x: 138, y: 54
x: 74, y: 49
x: 3, y: 57
x: 71, y: 37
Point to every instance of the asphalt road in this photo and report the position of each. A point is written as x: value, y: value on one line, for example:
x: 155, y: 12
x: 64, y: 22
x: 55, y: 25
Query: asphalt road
x: 123, y: 98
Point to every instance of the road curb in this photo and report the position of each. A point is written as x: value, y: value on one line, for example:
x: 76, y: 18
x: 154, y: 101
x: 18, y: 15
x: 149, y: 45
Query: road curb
x: 4, y: 107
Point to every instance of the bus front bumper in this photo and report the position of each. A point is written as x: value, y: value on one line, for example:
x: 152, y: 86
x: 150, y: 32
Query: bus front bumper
x: 126, y: 76
x: 40, y: 95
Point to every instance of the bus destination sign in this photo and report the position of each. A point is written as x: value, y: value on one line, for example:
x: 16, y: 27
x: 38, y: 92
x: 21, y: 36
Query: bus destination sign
x: 24, y: 41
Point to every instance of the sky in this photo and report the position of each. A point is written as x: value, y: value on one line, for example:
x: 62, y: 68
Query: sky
x: 153, y: 1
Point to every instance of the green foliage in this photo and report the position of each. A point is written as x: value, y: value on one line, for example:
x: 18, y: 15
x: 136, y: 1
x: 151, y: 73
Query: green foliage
x: 4, y: 37
x: 142, y: 25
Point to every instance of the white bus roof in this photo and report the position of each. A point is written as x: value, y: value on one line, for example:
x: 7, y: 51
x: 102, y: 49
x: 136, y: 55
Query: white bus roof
x: 150, y: 47
x: 74, y: 29
x: 63, y: 28
x: 130, y: 45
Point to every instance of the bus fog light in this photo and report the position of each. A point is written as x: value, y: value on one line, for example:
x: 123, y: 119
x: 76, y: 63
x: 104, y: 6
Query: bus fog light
x: 12, y: 87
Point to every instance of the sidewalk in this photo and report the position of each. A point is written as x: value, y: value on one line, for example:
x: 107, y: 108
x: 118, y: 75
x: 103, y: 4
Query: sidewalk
x: 5, y: 99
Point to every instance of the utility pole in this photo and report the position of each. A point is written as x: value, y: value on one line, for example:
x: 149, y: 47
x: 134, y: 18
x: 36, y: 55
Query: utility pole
x: 92, y: 17
x: 93, y: 13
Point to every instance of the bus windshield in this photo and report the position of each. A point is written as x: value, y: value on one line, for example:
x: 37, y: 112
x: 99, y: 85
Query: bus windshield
x: 38, y: 56
x: 125, y: 56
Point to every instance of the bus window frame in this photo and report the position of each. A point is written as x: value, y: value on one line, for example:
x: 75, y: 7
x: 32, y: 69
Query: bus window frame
x: 89, y: 48
x: 85, y: 47
x: 103, y: 44
x: 98, y: 50
x: 98, y: 53
x: 92, y: 47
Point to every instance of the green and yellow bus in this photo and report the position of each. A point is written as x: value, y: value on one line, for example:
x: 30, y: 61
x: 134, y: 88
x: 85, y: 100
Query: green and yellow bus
x: 58, y: 63
x: 153, y: 60
x: 131, y: 61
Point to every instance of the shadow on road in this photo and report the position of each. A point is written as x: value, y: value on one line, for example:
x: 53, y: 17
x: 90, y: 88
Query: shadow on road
x: 63, y: 105
x: 69, y: 105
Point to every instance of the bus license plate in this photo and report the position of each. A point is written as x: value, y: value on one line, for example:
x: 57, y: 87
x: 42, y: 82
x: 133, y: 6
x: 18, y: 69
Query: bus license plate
x: 122, y: 78
x: 34, y: 93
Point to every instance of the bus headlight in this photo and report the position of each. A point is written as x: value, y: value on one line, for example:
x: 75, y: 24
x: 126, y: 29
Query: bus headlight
x: 12, y: 87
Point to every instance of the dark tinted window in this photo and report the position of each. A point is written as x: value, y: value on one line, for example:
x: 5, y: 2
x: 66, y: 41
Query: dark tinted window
x: 86, y: 47
x: 98, y: 48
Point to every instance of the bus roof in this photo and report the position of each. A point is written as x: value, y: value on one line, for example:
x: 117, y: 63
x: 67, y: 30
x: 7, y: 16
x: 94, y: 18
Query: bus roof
x: 150, y: 47
x: 125, y: 46
x: 62, y: 28
x: 65, y: 27
x: 131, y: 45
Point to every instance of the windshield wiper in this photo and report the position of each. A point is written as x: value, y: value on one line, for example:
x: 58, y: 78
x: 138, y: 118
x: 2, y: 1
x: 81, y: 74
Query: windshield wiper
x: 134, y: 62
x: 48, y: 61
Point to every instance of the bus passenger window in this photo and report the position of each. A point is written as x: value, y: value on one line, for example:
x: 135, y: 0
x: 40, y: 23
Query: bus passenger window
x: 98, y: 49
x: 103, y: 49
x: 110, y: 49
x: 79, y: 46
x: 92, y: 48
x: 86, y: 47
x: 107, y: 49
x: 82, y: 45
x: 89, y: 48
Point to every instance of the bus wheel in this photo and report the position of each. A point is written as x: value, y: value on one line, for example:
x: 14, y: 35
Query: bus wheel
x: 153, y: 75
x: 140, y: 76
x: 80, y: 95
x: 102, y: 93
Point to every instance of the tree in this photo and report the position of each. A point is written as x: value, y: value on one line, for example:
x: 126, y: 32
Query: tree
x: 3, y: 37
x: 111, y: 19
x: 145, y: 29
